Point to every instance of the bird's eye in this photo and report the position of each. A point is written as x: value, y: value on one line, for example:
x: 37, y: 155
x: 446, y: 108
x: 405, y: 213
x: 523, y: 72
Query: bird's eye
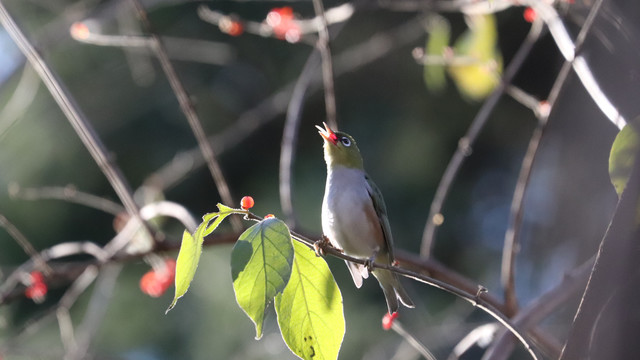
x: 345, y: 141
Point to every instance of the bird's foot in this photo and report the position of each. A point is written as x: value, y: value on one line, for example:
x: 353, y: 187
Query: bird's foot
x: 320, y: 246
x: 368, y: 263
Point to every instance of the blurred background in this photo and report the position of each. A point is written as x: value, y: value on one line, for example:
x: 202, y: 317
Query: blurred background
x: 241, y: 87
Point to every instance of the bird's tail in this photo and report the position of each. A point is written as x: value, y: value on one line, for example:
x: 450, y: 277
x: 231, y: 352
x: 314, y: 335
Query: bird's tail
x: 393, y: 290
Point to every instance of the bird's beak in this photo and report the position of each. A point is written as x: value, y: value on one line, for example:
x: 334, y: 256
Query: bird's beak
x: 327, y: 134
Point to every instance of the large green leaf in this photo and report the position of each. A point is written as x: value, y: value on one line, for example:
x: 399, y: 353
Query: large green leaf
x: 261, y: 266
x: 191, y: 249
x: 310, y: 313
x: 622, y: 156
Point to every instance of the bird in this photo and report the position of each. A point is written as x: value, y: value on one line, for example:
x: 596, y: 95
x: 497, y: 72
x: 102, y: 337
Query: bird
x: 354, y: 216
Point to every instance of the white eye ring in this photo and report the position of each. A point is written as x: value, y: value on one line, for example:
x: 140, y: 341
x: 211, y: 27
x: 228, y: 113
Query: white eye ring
x: 345, y: 141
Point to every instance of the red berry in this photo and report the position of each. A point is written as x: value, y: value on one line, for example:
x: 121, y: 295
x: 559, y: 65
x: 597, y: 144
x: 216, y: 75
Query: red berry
x: 36, y: 277
x: 269, y: 216
x: 387, y: 320
x: 529, y: 15
x: 155, y: 283
x: 150, y: 284
x: 246, y: 203
x: 36, y: 291
x: 284, y: 25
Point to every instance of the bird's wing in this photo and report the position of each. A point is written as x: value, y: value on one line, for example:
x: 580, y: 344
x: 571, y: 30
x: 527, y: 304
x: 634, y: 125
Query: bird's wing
x: 381, y: 211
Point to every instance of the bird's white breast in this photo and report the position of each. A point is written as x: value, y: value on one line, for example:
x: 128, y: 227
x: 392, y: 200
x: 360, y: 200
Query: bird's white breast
x: 344, y: 213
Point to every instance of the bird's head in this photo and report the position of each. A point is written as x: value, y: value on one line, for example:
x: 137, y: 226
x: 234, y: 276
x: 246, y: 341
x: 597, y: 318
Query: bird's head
x: 340, y: 148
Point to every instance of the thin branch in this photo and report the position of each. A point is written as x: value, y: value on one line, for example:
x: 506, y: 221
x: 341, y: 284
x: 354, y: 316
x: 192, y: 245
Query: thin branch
x: 327, y: 65
x: 290, y: 136
x: 338, y: 14
x: 540, y: 308
x: 24, y: 243
x: 67, y: 193
x: 435, y: 218
x: 415, y: 343
x: 570, y: 51
x: 20, y: 100
x: 511, y: 239
x: 78, y: 120
x: 475, y: 299
x: 270, y: 108
x: 96, y: 310
x: 207, y: 52
x: 511, y: 242
x: 68, y: 299
x: 189, y: 111
x: 480, y: 335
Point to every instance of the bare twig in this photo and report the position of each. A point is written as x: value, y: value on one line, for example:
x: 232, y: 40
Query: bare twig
x: 435, y: 217
x: 415, y: 343
x: 475, y: 299
x: 338, y: 14
x: 68, y: 193
x: 83, y: 128
x: 327, y: 65
x: 24, y: 243
x: 290, y: 136
x: 517, y: 205
x: 189, y: 111
x: 19, y: 102
x: 268, y: 110
x: 207, y: 52
x: 570, y: 51
x: 540, y: 308
x: 96, y: 310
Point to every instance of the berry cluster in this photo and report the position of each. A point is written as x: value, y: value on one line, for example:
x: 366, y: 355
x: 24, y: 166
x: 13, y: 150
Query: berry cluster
x: 37, y: 289
x: 155, y: 282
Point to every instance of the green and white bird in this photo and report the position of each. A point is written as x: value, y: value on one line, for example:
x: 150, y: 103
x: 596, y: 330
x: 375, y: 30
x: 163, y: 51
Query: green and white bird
x: 354, y: 216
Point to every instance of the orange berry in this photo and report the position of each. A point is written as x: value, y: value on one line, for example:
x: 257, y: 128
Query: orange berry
x: 246, y: 203
x: 79, y: 31
x: 387, y: 320
x: 269, y: 216
x: 229, y: 26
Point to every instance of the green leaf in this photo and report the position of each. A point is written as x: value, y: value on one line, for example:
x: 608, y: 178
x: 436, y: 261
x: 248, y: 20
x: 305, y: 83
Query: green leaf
x: 310, y: 313
x: 191, y: 249
x: 261, y: 266
x: 478, y: 47
x: 622, y: 156
x: 439, y: 34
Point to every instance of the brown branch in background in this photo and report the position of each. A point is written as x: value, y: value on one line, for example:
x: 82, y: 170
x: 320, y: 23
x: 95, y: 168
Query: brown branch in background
x: 435, y: 217
x: 22, y: 97
x: 327, y: 65
x: 25, y: 245
x: 540, y: 308
x: 189, y: 111
x: 511, y: 240
x: 270, y: 108
x: 290, y: 136
x: 67, y: 193
x: 78, y: 120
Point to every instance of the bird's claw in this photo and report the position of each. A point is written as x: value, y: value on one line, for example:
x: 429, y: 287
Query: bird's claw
x: 321, y: 245
x: 368, y: 263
